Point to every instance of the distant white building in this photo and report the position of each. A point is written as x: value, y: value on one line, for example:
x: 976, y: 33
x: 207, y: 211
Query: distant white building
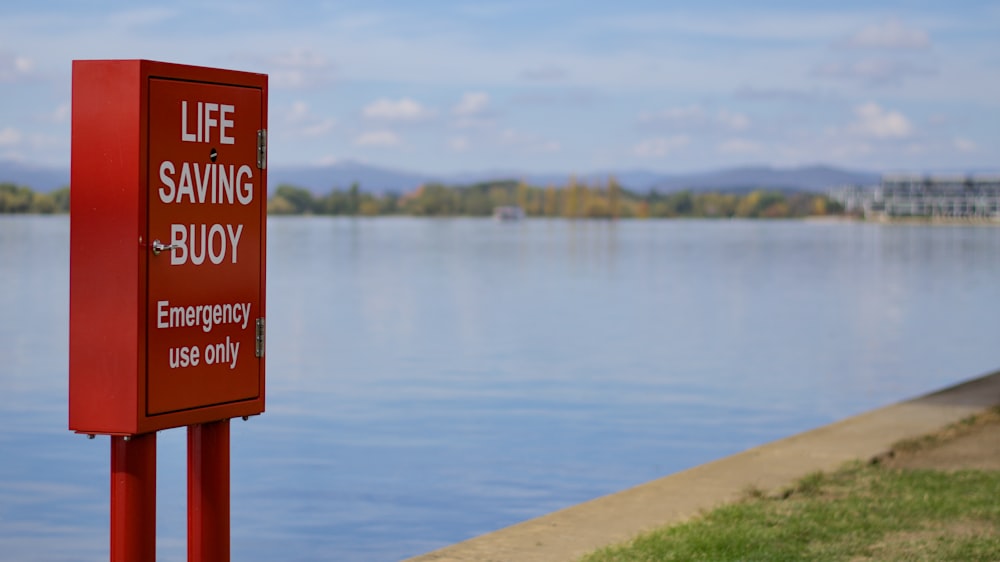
x: 938, y: 196
x: 854, y: 198
x: 508, y: 213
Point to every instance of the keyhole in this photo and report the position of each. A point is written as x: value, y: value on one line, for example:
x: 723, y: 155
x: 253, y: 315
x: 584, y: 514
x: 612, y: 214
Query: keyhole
x: 213, y: 155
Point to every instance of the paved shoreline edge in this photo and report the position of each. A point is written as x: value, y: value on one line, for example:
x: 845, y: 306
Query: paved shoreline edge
x: 570, y: 533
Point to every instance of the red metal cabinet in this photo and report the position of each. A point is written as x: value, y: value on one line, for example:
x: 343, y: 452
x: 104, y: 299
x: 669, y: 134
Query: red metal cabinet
x: 167, y: 245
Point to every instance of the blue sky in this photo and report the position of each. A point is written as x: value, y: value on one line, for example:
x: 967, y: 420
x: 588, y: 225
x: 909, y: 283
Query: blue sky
x: 442, y: 87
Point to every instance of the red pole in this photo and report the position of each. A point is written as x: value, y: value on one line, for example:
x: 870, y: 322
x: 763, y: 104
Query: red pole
x: 133, y: 498
x: 208, y: 492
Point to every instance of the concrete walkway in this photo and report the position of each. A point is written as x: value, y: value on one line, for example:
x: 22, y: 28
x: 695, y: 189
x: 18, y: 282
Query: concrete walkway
x: 568, y: 534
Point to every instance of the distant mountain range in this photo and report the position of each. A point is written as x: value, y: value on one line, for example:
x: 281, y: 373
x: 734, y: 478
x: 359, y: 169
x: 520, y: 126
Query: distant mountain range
x: 321, y: 179
x: 375, y: 179
x: 39, y: 178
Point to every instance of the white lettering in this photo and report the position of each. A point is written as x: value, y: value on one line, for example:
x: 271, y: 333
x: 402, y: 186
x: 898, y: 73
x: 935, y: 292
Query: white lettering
x: 234, y: 351
x: 210, y: 122
x: 195, y: 242
x: 213, y: 183
x: 203, y: 181
x: 183, y: 357
x: 186, y: 186
x: 185, y: 135
x: 166, y: 170
x: 225, y: 124
x: 245, y: 193
x: 178, y: 238
x: 161, y: 314
x: 208, y: 116
x: 246, y: 315
x: 234, y: 238
x: 207, y: 316
x: 210, y: 352
x: 216, y: 258
x: 195, y: 257
x: 225, y: 186
x: 222, y: 353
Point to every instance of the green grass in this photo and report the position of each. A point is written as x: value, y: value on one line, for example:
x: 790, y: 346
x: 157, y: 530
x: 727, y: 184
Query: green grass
x: 859, y: 513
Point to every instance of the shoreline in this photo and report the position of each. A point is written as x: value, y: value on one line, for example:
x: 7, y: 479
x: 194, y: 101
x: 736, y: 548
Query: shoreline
x: 570, y: 533
x: 937, y: 221
x: 905, y: 221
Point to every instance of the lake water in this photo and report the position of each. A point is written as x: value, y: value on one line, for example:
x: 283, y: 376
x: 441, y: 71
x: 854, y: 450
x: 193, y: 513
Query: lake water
x: 432, y: 380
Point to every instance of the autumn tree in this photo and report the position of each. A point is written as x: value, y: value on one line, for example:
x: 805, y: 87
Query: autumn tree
x: 613, y: 193
x: 551, y: 206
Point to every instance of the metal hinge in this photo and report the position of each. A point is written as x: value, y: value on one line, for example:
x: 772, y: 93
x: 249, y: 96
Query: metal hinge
x: 262, y: 149
x: 260, y: 338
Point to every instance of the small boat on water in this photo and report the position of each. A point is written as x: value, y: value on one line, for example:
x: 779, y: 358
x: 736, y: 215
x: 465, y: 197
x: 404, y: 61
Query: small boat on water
x: 508, y: 213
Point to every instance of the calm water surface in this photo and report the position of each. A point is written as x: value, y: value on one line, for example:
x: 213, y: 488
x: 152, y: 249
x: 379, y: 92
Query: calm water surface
x: 431, y: 380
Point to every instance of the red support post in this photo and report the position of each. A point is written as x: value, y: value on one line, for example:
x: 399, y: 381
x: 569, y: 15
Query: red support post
x: 208, y: 492
x: 133, y: 498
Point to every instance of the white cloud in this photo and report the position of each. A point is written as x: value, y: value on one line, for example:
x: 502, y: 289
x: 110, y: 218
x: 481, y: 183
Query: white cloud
x: 140, y: 17
x: 549, y: 146
x: 41, y: 141
x: 739, y: 146
x: 545, y: 74
x: 732, y: 120
x: 298, y: 58
x: 319, y: 128
x: 965, y: 145
x: 38, y: 148
x: 661, y: 146
x: 14, y: 68
x: 873, y: 71
x: 872, y: 121
x: 300, y: 121
x: 59, y: 115
x: 675, y: 115
x: 298, y: 112
x: 890, y: 34
x: 510, y: 136
x: 615, y: 70
x: 474, y: 122
x: 298, y: 69
x: 528, y: 141
x: 471, y: 104
x: 744, y: 24
x: 380, y: 139
x: 696, y: 116
x: 403, y: 109
x: 10, y: 137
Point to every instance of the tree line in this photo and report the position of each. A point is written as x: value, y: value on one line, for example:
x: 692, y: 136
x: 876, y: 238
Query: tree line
x: 574, y: 200
x: 17, y: 199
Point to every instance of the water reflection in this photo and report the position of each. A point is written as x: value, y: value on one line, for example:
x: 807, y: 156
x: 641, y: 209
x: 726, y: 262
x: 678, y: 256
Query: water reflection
x: 432, y: 380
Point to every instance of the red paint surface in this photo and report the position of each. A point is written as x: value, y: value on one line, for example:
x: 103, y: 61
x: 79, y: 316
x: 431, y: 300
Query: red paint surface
x: 208, y: 492
x: 226, y: 283
x: 133, y: 498
x: 126, y: 121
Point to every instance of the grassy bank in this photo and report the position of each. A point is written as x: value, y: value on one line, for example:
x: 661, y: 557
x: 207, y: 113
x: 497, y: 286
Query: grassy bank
x: 861, y: 512
x: 883, y: 510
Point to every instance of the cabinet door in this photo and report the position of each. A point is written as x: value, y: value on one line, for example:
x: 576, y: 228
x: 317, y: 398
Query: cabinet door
x: 204, y: 277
